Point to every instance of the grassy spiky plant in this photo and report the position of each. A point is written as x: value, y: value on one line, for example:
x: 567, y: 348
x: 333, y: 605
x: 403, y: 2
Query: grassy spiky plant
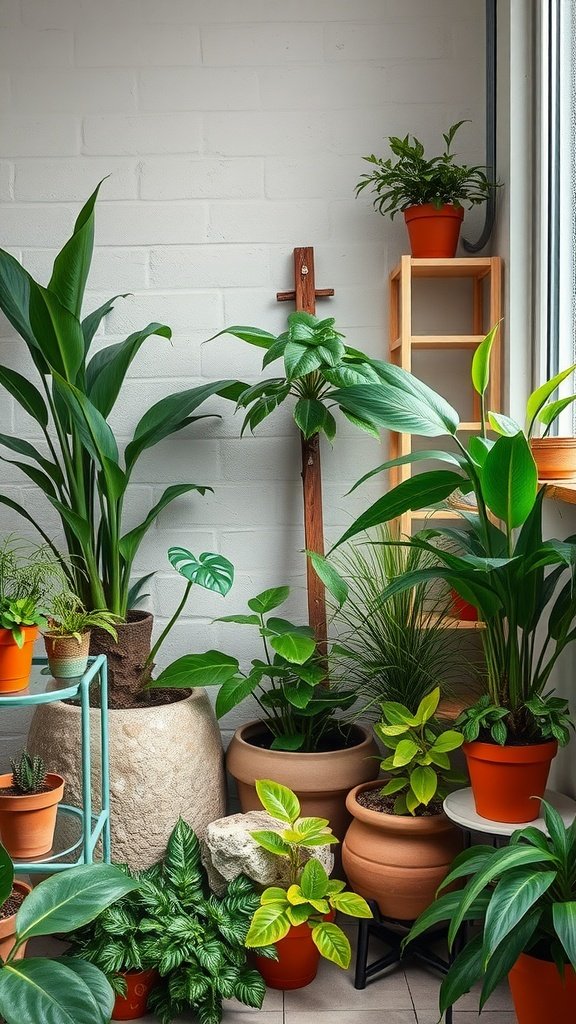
x: 28, y: 773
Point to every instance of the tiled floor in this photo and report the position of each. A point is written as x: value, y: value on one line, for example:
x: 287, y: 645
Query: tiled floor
x: 406, y: 996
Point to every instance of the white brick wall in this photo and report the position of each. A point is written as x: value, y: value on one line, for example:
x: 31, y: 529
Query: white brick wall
x: 233, y: 131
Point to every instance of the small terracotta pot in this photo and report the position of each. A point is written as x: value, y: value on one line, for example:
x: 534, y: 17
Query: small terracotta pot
x: 507, y: 781
x: 463, y: 609
x: 555, y: 457
x: 66, y: 657
x: 540, y: 993
x: 8, y: 928
x: 27, y: 822
x: 139, y: 985
x: 397, y: 860
x: 16, y: 662
x: 298, y: 959
x: 433, y: 232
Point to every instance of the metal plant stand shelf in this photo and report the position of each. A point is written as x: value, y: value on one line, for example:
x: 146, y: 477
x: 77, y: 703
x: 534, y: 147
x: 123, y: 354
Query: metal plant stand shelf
x: 78, y: 829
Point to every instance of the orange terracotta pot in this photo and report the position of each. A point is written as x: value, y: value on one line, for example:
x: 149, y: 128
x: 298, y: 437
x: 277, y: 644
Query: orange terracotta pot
x: 433, y: 232
x: 298, y: 960
x: 555, y: 457
x: 27, y: 822
x: 397, y: 860
x: 139, y: 985
x: 507, y: 781
x: 320, y: 781
x: 16, y: 662
x: 539, y: 992
x: 8, y: 927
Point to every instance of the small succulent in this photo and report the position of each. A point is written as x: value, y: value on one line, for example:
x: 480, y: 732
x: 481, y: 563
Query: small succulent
x: 28, y: 773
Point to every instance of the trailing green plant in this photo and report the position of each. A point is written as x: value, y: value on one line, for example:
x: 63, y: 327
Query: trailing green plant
x: 64, y: 989
x: 82, y: 474
x: 522, y: 586
x: 311, y: 896
x: 414, y: 179
x: 28, y: 773
x: 28, y: 575
x: 298, y: 711
x: 525, y: 896
x: 419, y: 768
x: 193, y: 938
x: 67, y: 616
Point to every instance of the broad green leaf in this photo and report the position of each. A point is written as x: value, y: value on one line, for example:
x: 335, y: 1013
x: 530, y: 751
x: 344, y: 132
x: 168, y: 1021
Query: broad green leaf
x: 232, y: 692
x: 331, y: 579
x: 332, y: 943
x: 427, y: 706
x: 269, y: 599
x: 435, y: 454
x: 313, y: 880
x: 92, y: 321
x: 424, y: 783
x: 25, y: 393
x: 363, y: 424
x: 78, y: 524
x: 72, y: 263
x: 37, y: 989
x: 131, y: 541
x: 70, y: 899
x: 107, y: 369
x: 464, y: 972
x: 352, y: 904
x: 210, y: 669
x: 311, y: 826
x: 447, y: 741
x: 505, y: 956
x: 503, y: 424
x: 272, y: 842
x: 15, y: 299
x: 402, y: 403
x: 294, y: 646
x: 551, y: 412
x: 95, y: 432
x: 288, y: 741
x: 481, y: 362
x: 243, y: 620
x: 280, y: 802
x: 15, y: 444
x: 96, y: 982
x: 540, y: 396
x: 135, y: 592
x: 299, y: 914
x: 273, y: 894
x: 404, y: 753
x: 309, y: 416
x: 269, y: 924
x: 479, y: 447
x: 21, y: 511
x: 6, y: 875
x: 253, y: 335
x: 300, y: 360
x: 209, y: 570
x: 510, y: 480
x: 564, y: 919
x: 394, y: 786
x: 58, y: 330
x: 512, y: 898
x: 442, y: 910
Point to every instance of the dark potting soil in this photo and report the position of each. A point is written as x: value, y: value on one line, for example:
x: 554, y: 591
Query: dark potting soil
x: 12, y: 904
x: 329, y: 742
x: 373, y: 800
x: 14, y: 791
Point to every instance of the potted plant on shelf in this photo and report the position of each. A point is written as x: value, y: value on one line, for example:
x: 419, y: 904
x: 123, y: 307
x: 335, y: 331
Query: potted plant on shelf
x: 298, y: 740
x: 524, y: 895
x: 27, y: 575
x: 299, y: 919
x: 429, y: 192
x: 67, y: 633
x: 60, y: 990
x: 521, y: 584
x: 400, y: 844
x: 555, y: 457
x: 29, y: 798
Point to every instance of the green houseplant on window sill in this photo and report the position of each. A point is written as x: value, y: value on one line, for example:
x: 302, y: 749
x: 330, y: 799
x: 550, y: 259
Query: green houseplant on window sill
x: 522, y: 586
x: 429, y: 192
x: 525, y: 896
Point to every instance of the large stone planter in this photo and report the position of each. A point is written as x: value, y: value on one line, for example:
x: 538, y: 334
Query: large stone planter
x: 166, y: 762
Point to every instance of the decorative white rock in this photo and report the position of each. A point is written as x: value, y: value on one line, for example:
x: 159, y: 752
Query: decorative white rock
x: 228, y: 850
x: 166, y: 762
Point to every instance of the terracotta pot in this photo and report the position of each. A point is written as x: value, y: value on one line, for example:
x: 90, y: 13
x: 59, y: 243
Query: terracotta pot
x: 462, y: 609
x: 16, y: 662
x: 126, y: 657
x: 320, y: 781
x: 539, y: 992
x: 433, y: 232
x: 139, y: 985
x: 555, y: 457
x: 506, y: 780
x: 397, y: 860
x: 27, y: 822
x: 67, y: 658
x: 298, y: 960
x: 8, y: 928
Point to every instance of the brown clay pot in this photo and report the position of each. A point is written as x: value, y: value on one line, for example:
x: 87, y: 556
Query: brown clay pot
x: 126, y: 657
x: 507, y: 781
x: 8, y: 927
x: 27, y: 822
x: 16, y: 662
x: 555, y: 457
x: 67, y: 657
x: 139, y: 985
x: 539, y: 992
x: 433, y: 232
x: 320, y: 781
x: 397, y: 860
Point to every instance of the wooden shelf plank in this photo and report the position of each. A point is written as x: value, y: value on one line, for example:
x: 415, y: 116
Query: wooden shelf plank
x: 472, y: 266
x: 560, y: 490
x: 451, y: 341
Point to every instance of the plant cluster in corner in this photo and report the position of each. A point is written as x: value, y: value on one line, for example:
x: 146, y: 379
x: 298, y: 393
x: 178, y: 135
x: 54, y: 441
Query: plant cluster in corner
x: 67, y: 616
x: 28, y: 575
x: 28, y: 773
x: 172, y: 923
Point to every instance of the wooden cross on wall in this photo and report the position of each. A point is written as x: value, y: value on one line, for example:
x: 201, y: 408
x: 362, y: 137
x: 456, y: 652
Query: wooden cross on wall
x: 304, y: 297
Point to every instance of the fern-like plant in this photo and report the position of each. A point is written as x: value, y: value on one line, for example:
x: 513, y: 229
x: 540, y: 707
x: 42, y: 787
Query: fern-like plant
x: 28, y: 773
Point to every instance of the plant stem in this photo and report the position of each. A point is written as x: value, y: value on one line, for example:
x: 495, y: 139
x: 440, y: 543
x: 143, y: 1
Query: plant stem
x: 150, y: 659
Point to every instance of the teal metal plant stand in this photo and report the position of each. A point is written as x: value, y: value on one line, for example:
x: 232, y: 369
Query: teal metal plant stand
x: 86, y: 825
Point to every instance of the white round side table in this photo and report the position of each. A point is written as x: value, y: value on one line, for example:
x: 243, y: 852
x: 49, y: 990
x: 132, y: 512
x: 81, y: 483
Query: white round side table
x: 459, y: 807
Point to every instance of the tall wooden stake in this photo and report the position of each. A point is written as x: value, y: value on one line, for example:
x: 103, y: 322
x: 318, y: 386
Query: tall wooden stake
x: 304, y: 296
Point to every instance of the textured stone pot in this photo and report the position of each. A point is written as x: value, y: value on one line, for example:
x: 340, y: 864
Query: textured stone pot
x: 165, y: 762
x: 397, y: 860
x: 320, y: 781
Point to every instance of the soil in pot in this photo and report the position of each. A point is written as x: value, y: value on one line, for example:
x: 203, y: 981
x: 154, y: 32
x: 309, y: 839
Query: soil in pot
x: 555, y: 457
x: 433, y: 232
x: 16, y: 662
x: 8, y: 913
x: 507, y: 781
x: 139, y: 985
x: 540, y: 994
x: 397, y: 860
x: 28, y: 821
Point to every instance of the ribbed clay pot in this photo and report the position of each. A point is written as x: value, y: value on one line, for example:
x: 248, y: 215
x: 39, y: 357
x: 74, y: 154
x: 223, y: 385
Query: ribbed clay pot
x: 126, y: 658
x: 539, y: 992
x: 507, y: 781
x: 139, y: 985
x: 8, y: 927
x: 166, y: 761
x: 397, y: 860
x: 320, y: 781
x: 67, y: 656
x: 16, y: 662
x: 555, y: 457
x: 433, y: 232
x: 28, y: 821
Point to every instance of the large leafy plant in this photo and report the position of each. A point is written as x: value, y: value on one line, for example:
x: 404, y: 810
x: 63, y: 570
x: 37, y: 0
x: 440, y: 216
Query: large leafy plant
x: 525, y: 897
x: 522, y: 586
x: 414, y: 179
x: 311, y: 895
x: 286, y: 683
x: 64, y: 989
x: 418, y: 768
x: 82, y: 473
